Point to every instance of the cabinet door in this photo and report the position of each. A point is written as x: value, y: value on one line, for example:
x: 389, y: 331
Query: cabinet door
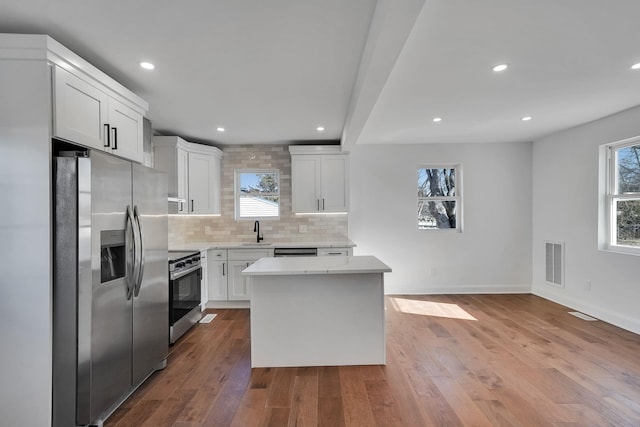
x: 201, y: 184
x: 204, y: 287
x: 182, y: 179
x: 126, y: 131
x: 218, y: 273
x: 305, y: 184
x: 238, y: 285
x: 335, y: 175
x: 80, y: 111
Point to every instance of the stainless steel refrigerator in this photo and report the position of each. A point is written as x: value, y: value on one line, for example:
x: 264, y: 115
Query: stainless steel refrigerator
x: 110, y: 287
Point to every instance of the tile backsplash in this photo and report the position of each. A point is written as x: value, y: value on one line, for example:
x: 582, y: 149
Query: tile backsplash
x: 184, y: 229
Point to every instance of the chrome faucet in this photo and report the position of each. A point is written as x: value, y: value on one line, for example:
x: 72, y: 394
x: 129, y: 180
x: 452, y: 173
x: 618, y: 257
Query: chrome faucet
x: 256, y: 229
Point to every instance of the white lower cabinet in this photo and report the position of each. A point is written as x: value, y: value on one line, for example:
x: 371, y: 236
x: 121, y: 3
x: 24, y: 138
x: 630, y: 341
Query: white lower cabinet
x: 335, y: 251
x: 226, y: 282
x: 204, y: 282
x: 217, y: 274
x: 237, y: 284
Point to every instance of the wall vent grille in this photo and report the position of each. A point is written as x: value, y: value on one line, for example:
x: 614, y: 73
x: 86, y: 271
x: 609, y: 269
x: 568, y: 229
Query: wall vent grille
x: 554, y: 255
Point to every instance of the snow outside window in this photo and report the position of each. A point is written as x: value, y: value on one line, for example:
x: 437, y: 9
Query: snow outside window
x: 257, y: 194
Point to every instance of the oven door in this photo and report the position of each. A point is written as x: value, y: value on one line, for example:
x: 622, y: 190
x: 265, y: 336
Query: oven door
x: 185, y: 292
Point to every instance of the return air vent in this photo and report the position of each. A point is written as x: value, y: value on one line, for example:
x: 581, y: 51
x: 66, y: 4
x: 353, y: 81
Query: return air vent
x: 554, y: 256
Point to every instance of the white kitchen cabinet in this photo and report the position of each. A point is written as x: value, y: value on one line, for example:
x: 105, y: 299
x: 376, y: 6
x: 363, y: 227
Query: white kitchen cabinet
x: 335, y: 251
x: 204, y: 281
x: 239, y: 286
x: 194, y: 174
x: 217, y: 270
x: 319, y: 179
x: 204, y: 183
x: 224, y: 269
x: 88, y: 115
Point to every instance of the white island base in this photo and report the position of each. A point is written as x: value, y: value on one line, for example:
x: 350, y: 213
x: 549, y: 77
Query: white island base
x: 317, y: 311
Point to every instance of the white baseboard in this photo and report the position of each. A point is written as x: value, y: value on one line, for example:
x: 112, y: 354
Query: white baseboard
x: 440, y: 290
x: 624, y: 322
x: 227, y: 304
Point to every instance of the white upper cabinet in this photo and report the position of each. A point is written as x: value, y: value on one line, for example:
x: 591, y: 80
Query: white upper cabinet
x: 319, y: 179
x: 88, y: 115
x: 126, y: 127
x: 80, y: 110
x: 204, y: 183
x: 194, y: 174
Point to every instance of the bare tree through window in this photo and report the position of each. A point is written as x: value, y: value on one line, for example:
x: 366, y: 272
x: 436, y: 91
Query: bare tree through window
x: 626, y: 197
x: 438, y: 198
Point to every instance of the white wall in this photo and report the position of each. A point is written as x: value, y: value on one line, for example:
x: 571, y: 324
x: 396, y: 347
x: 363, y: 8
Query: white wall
x: 565, y: 208
x: 492, y: 254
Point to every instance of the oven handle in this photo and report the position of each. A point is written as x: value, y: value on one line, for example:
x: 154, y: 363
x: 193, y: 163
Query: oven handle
x: 185, y: 272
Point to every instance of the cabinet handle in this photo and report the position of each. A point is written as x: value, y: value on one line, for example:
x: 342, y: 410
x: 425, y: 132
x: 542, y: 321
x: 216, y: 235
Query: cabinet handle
x: 191, y: 205
x: 108, y: 135
x: 318, y: 200
x: 323, y: 203
x: 180, y: 206
x: 115, y: 138
x: 223, y: 273
x: 335, y: 253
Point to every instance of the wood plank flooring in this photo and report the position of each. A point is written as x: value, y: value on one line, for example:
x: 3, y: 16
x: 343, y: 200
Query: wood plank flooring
x: 457, y: 360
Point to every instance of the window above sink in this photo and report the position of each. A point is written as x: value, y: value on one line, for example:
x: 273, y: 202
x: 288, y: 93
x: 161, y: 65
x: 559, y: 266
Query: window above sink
x: 257, y: 194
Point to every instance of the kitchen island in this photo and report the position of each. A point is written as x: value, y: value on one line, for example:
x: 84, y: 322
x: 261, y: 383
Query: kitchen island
x: 317, y: 311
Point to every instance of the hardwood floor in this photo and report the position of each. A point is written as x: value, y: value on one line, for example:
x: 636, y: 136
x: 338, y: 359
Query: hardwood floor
x: 459, y: 360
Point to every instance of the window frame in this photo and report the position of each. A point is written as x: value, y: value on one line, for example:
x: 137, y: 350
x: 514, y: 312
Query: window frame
x: 457, y: 197
x: 237, y: 193
x: 611, y: 196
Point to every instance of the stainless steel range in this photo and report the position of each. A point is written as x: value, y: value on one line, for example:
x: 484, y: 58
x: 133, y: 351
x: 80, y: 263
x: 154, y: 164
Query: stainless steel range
x: 185, y: 275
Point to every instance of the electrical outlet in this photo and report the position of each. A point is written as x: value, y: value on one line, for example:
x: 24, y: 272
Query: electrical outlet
x: 302, y: 228
x: 587, y: 285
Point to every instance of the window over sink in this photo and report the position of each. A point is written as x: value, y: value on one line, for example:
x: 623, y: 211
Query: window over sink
x: 257, y: 194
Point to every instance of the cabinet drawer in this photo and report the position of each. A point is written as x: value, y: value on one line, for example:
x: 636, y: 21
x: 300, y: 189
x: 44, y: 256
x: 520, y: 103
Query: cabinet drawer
x: 249, y: 254
x: 217, y: 254
x: 334, y: 251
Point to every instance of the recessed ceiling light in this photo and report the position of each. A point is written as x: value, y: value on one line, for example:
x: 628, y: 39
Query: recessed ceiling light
x: 437, y: 119
x: 636, y: 66
x: 220, y: 129
x: 320, y: 128
x: 147, y: 65
x: 526, y: 118
x: 500, y: 67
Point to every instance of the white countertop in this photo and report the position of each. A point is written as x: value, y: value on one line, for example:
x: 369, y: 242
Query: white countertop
x: 316, y: 265
x: 203, y: 246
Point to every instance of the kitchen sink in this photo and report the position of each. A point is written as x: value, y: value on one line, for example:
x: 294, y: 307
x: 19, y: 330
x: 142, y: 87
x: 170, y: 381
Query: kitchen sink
x: 256, y: 244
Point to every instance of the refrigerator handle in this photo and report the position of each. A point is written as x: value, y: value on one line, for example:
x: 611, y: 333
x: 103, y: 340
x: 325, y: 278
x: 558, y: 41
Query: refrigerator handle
x: 131, y: 260
x: 138, y: 283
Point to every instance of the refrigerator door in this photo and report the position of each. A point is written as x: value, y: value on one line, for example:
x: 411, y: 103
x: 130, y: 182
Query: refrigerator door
x: 105, y: 332
x: 151, y: 294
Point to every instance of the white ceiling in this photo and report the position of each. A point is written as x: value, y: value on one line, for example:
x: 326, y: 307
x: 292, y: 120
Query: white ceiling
x: 369, y: 72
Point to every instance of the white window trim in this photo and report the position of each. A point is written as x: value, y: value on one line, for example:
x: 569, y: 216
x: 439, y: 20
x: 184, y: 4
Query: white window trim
x: 607, y: 211
x: 457, y: 198
x: 236, y: 194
